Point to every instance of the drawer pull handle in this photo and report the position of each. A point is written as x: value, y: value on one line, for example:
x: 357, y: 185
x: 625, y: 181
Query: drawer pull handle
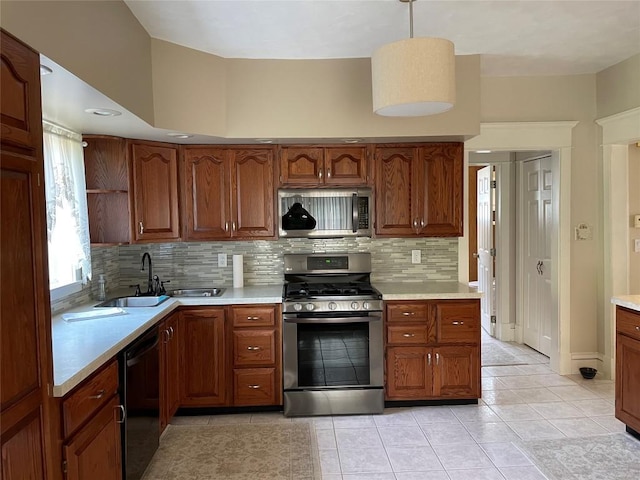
x: 253, y: 318
x: 437, y: 358
x: 99, y: 395
x: 141, y: 228
x: 408, y: 314
x: 428, y: 359
x: 253, y: 387
x: 252, y: 348
x: 408, y: 335
x: 457, y: 323
x: 123, y: 413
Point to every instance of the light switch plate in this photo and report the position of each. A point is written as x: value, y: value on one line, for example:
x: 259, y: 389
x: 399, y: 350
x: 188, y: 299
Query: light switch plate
x: 636, y: 245
x: 416, y: 256
x: 222, y: 259
x: 584, y: 232
x: 636, y: 221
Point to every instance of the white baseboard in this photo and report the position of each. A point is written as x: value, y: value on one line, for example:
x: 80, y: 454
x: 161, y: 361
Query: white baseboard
x: 590, y: 359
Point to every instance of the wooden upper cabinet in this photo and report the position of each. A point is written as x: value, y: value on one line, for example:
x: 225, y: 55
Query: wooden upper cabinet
x: 395, y: 191
x: 206, y: 193
x: 419, y: 190
x: 107, y: 178
x: 228, y: 192
x: 324, y: 166
x: 441, y: 193
x: 253, y: 194
x: 20, y: 117
x: 155, y: 191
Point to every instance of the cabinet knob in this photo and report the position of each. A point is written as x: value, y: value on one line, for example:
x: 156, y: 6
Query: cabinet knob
x: 167, y: 336
x: 253, y: 387
x: 233, y: 226
x: 226, y: 226
x: 408, y: 335
x: 253, y: 348
x: 638, y: 328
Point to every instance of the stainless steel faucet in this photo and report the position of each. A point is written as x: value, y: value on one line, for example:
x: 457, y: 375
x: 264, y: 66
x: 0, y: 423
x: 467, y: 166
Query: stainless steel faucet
x: 150, y: 289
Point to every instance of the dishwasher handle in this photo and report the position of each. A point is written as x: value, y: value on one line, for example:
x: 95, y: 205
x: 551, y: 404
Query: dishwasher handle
x: 140, y: 349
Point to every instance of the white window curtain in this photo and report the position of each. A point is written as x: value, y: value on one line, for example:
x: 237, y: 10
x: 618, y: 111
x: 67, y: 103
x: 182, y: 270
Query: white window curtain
x: 67, y: 214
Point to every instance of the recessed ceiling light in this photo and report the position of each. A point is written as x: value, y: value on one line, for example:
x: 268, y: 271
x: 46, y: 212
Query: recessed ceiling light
x: 264, y: 140
x: 103, y: 112
x: 483, y: 151
x: 179, y: 135
x: 352, y: 140
x: 44, y: 70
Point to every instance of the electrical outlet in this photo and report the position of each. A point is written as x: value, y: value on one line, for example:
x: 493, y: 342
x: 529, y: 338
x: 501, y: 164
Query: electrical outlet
x: 416, y: 256
x: 222, y: 259
x: 636, y: 245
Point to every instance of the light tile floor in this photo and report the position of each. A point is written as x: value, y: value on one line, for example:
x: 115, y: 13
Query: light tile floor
x: 467, y: 442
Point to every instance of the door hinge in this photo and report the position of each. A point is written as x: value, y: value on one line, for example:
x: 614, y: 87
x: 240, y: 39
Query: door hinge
x: 494, y: 184
x: 492, y: 252
x: 64, y: 467
x: 493, y: 319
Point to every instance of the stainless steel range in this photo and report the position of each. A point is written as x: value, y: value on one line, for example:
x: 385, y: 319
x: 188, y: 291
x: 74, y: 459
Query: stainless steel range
x: 333, y: 336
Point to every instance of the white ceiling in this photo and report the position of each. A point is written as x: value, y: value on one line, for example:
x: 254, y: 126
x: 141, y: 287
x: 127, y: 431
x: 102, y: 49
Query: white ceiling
x: 543, y: 37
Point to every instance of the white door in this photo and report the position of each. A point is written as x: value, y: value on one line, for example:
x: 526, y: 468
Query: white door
x: 538, y: 228
x: 485, y: 246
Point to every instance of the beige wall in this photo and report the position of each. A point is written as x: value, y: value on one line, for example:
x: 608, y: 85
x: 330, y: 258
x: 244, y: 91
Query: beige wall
x: 618, y: 87
x: 634, y: 209
x: 189, y: 90
x: 564, y: 98
x: 100, y: 42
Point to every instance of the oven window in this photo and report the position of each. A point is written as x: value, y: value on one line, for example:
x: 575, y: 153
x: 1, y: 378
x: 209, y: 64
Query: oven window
x: 331, y: 355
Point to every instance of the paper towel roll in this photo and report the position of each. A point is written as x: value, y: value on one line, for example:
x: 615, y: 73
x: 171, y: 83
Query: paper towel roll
x: 238, y: 272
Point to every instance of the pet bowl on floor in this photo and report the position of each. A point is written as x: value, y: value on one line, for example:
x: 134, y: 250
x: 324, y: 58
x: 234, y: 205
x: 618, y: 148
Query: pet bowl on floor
x: 588, y: 372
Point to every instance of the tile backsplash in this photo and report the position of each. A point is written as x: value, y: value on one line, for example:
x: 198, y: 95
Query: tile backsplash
x: 195, y: 264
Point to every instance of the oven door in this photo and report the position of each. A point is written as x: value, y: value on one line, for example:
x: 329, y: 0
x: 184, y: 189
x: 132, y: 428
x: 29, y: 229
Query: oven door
x: 337, y: 352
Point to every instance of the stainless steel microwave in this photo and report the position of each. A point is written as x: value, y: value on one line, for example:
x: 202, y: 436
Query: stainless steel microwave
x: 325, y: 213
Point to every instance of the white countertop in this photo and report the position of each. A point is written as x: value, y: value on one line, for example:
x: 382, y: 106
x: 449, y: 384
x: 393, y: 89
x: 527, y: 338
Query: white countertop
x: 426, y: 290
x: 82, y: 347
x: 627, y: 301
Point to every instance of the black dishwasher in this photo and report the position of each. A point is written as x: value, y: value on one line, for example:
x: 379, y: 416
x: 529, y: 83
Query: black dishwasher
x: 140, y: 380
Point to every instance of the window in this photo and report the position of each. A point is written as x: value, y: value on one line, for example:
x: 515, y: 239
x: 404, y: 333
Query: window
x: 67, y: 214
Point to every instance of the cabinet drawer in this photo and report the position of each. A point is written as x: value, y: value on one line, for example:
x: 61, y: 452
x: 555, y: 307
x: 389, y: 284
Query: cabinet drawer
x: 401, y: 312
x: 254, y: 347
x: 407, y: 334
x: 253, y: 316
x: 464, y: 330
x: 628, y: 323
x: 92, y: 394
x: 254, y: 386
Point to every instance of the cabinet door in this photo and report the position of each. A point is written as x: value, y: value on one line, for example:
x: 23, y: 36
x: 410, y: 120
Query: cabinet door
x: 301, y: 165
x: 22, y: 448
x: 395, y: 191
x: 206, y: 194
x: 628, y: 380
x: 155, y: 180
x: 408, y: 373
x: 95, y: 451
x: 456, y: 372
x: 169, y: 369
x: 441, y: 180
x: 252, y: 193
x: 346, y: 166
x: 20, y: 100
x: 204, y: 366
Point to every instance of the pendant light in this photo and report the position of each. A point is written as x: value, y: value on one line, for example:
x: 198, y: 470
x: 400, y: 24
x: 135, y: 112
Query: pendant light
x: 413, y: 77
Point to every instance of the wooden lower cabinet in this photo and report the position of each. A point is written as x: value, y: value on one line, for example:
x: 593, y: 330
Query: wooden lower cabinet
x: 95, y: 451
x: 433, y: 350
x: 628, y: 367
x: 255, y: 386
x: 169, y: 332
x: 203, y: 357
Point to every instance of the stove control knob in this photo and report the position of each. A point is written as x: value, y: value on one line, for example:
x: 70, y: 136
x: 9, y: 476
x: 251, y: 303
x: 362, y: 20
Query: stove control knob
x: 310, y: 306
x: 354, y: 306
x: 366, y: 306
x: 297, y: 307
x: 333, y: 305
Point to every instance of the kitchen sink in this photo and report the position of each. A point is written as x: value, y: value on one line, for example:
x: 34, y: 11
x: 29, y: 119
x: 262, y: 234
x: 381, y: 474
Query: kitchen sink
x: 150, y: 301
x: 197, y: 292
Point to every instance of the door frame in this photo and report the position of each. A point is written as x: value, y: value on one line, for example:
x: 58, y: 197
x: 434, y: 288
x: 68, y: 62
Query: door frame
x: 525, y: 136
x: 618, y: 132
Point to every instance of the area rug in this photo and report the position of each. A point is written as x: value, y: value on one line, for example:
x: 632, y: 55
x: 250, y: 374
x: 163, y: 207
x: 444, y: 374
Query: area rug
x: 493, y: 356
x: 602, y: 457
x: 285, y: 451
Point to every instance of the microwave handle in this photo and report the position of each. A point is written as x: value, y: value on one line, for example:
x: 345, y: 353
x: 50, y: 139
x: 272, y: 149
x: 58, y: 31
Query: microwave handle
x: 354, y: 212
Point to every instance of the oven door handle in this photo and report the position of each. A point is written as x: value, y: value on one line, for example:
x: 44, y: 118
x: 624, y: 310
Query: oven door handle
x: 370, y: 318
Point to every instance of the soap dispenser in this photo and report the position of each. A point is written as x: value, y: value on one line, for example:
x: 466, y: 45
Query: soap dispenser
x: 102, y: 287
